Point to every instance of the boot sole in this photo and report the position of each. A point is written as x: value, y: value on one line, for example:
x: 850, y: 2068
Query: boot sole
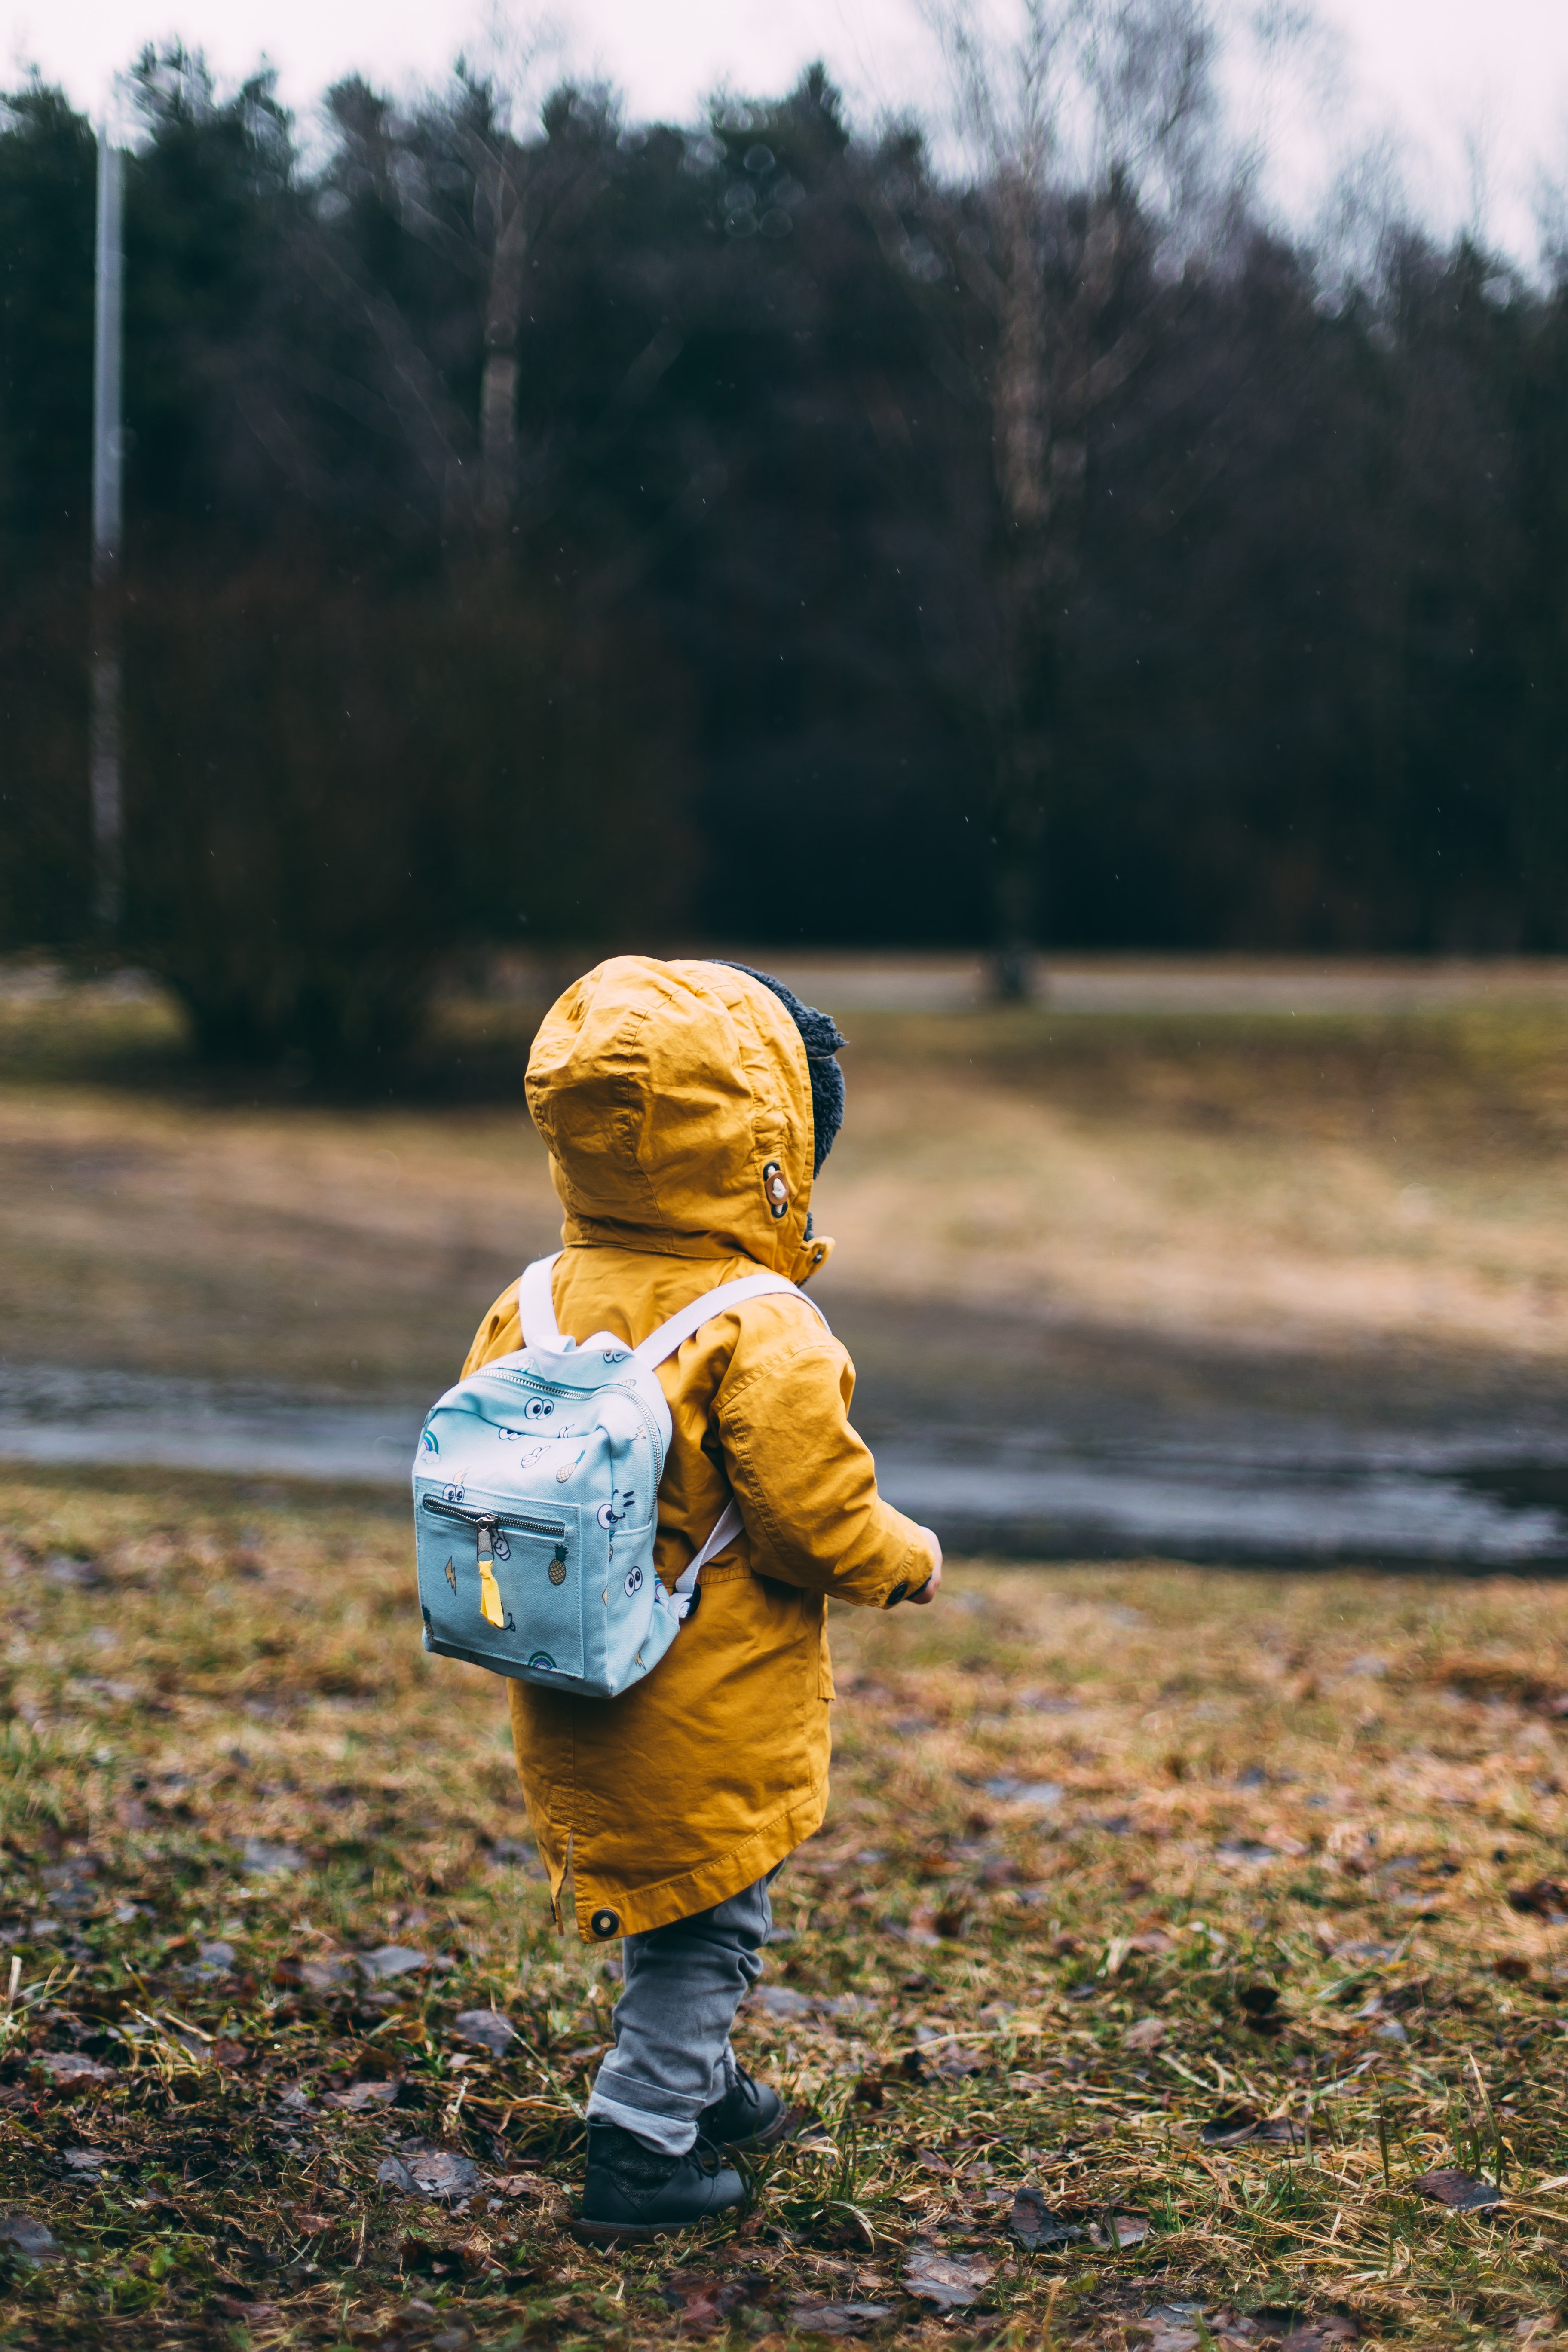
x: 637, y: 2233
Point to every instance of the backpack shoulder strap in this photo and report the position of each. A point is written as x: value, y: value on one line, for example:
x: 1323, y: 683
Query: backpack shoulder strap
x: 726, y: 1527
x: 680, y: 1328
x: 536, y: 1306
x: 664, y: 1343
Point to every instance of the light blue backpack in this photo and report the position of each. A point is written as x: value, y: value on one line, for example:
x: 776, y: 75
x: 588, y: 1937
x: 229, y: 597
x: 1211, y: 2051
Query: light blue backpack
x: 536, y: 1501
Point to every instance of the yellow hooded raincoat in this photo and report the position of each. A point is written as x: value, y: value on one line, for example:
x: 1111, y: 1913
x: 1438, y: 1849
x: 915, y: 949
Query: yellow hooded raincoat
x: 663, y: 1091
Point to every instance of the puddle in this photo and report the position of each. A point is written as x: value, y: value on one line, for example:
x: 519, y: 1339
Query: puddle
x: 1299, y: 1489
x: 1217, y: 1504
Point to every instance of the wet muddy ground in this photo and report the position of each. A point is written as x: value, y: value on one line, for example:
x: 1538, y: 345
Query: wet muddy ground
x: 1196, y: 1258
x: 1008, y: 1437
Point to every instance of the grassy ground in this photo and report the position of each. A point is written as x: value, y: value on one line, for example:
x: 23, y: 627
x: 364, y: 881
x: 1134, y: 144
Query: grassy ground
x: 1353, y: 1182
x: 1182, y: 1920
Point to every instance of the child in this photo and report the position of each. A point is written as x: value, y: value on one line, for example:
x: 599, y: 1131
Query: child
x: 687, y: 1107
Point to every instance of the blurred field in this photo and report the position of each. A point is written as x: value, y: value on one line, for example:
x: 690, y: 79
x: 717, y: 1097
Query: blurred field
x: 1213, y: 1911
x: 1327, y: 1187
x: 1120, y: 1856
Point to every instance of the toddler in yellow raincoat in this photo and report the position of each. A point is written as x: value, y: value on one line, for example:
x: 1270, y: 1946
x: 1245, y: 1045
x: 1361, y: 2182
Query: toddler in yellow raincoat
x: 688, y: 1106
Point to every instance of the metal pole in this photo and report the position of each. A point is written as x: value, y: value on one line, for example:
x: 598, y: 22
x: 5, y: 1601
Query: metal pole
x: 107, y: 811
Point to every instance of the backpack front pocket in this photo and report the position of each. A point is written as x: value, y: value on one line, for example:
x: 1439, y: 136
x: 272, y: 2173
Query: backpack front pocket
x: 501, y: 1586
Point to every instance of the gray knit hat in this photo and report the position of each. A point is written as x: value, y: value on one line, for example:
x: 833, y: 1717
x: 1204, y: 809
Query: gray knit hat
x: 819, y: 1033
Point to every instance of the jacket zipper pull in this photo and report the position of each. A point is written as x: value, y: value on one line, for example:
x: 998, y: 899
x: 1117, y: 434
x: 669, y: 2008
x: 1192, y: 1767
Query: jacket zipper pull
x: 490, y: 1608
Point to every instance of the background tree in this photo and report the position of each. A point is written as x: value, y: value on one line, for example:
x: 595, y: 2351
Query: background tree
x: 1091, y: 133
x: 546, y: 528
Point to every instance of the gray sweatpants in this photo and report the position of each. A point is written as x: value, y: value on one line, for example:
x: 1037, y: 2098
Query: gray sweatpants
x: 683, y: 1985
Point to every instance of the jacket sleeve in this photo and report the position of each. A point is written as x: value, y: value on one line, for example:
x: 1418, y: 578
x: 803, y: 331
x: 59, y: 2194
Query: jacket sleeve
x: 805, y: 1483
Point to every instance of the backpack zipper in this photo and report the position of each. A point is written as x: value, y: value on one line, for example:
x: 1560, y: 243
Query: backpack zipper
x: 555, y: 1388
x: 493, y: 1519
x: 487, y: 1541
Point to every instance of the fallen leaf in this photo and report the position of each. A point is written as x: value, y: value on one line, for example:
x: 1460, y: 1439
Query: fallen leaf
x: 435, y: 2173
x: 312, y: 2225
x: 837, y: 2318
x: 268, y: 1860
x: 1462, y: 2191
x: 360, y: 2095
x: 956, y: 2065
x: 779, y: 2001
x: 1544, y: 1898
x: 391, y: 1960
x: 71, y: 2070
x: 1232, y: 2125
x: 951, y: 2282
x: 29, y: 2239
x: 1036, y: 2224
x: 86, y: 2159
x: 517, y: 2184
x: 487, y: 2029
x: 702, y: 2303
x: 1131, y: 2229
x: 930, y: 2161
x: 234, y: 2306
x: 1317, y: 2334
x: 1147, y: 2034
x: 324, y: 1976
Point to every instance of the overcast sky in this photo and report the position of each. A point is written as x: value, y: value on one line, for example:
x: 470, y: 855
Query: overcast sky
x: 1478, y: 94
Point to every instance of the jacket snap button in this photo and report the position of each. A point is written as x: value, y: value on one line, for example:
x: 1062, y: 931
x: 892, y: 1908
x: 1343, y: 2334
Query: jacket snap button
x: 606, y: 1924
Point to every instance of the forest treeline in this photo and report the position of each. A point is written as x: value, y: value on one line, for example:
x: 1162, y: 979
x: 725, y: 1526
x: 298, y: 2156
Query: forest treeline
x: 581, y: 530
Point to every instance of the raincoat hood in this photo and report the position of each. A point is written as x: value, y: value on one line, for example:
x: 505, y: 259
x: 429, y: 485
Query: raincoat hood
x: 675, y: 1100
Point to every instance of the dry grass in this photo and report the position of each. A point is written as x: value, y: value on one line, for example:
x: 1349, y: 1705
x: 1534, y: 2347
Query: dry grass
x: 1323, y: 1183
x: 1275, y: 1879
x: 1355, y: 1180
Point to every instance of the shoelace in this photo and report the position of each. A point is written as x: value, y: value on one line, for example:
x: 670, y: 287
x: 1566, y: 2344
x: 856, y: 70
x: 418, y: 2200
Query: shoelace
x: 746, y: 2084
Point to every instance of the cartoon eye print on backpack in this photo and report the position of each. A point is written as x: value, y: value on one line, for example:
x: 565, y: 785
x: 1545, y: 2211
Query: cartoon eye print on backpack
x: 452, y: 1494
x: 609, y: 1517
x: 634, y: 1582
x: 537, y: 1409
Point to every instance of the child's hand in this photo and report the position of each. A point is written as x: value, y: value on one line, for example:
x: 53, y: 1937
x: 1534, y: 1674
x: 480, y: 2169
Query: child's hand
x: 932, y: 1585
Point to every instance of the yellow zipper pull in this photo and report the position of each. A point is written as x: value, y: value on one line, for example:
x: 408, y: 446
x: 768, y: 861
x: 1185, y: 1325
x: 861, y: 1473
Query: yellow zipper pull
x: 490, y: 1590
